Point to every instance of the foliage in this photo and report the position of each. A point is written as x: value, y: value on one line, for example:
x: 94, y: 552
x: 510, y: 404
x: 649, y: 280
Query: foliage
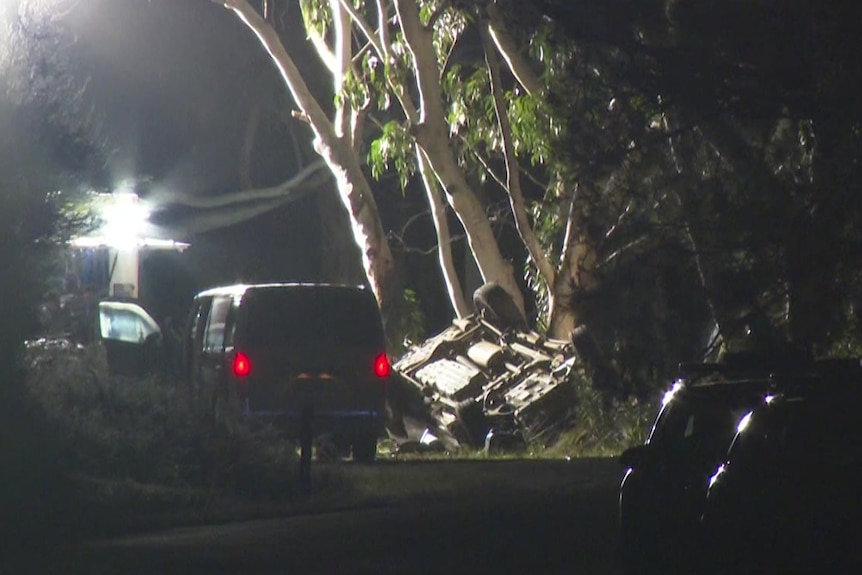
x: 411, y: 323
x: 709, y: 153
x: 38, y: 74
x: 391, y: 151
x: 27, y: 483
x: 150, y: 431
x: 603, y: 426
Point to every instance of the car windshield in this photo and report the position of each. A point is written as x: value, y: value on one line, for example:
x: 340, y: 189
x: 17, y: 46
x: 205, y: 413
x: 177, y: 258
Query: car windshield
x: 289, y: 315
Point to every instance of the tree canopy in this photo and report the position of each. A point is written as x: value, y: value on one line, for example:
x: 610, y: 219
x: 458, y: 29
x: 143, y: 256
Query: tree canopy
x: 638, y: 175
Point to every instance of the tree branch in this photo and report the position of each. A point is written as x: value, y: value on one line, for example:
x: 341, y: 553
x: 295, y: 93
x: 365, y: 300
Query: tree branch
x: 322, y: 49
x: 343, y: 65
x: 505, y: 45
x: 271, y: 42
x: 383, y: 25
x: 223, y: 217
x: 281, y: 191
x: 381, y: 46
x: 363, y: 25
x: 569, y: 235
x: 444, y: 236
x: 513, y: 178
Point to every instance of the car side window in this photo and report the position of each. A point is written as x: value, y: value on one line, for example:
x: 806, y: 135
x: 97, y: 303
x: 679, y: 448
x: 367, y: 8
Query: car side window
x: 215, y: 331
x: 194, y: 321
x: 125, y: 322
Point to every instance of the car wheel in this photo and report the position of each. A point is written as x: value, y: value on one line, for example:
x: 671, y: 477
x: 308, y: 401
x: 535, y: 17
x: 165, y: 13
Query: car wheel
x: 365, y: 447
x: 498, y: 307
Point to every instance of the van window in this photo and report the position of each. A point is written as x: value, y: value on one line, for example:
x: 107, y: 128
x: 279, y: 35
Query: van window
x: 335, y: 315
x: 214, y: 336
x: 230, y: 324
x: 198, y: 316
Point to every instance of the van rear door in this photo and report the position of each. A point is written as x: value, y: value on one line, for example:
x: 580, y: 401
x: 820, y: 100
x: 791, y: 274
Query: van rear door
x: 311, y: 345
x: 212, y: 357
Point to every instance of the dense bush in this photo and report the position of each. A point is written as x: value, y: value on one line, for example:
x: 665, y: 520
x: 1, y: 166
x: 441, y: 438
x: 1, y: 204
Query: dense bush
x: 603, y: 426
x: 149, y: 431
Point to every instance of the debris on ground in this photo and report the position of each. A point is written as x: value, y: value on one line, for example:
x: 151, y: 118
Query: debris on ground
x: 488, y: 382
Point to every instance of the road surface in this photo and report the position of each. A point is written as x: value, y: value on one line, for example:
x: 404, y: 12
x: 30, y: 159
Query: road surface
x: 531, y: 516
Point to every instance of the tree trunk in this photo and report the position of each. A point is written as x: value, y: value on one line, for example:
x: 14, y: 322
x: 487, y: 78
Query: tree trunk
x: 444, y: 238
x: 247, y: 152
x: 368, y: 232
x: 340, y: 260
x: 513, y: 169
x: 576, y: 281
x: 336, y: 150
x: 811, y: 254
x: 432, y: 136
x: 518, y: 65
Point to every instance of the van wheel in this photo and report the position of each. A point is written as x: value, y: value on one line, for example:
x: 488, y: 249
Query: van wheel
x: 365, y: 447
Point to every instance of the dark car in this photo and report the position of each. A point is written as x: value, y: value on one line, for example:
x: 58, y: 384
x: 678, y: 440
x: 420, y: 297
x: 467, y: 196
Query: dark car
x: 279, y: 351
x: 665, y: 483
x: 786, y: 498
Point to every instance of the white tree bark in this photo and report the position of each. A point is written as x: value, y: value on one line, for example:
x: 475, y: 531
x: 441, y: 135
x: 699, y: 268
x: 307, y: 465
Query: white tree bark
x: 432, y: 136
x: 444, y: 237
x: 513, y: 170
x: 518, y: 65
x: 577, y: 274
x: 335, y: 148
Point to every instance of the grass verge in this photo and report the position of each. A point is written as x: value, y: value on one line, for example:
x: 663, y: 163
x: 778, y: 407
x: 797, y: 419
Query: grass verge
x: 138, y: 454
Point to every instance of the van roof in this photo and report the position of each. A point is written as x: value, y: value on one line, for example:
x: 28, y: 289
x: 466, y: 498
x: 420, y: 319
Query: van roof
x: 240, y: 289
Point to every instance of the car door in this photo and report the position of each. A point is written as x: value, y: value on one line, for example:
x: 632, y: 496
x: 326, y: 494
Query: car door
x: 193, y: 339
x: 131, y: 338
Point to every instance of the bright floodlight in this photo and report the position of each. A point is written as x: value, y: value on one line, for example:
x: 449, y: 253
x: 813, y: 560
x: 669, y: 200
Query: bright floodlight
x: 125, y: 224
x: 126, y: 219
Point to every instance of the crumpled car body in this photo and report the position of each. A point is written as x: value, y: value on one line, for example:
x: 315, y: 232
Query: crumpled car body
x: 486, y: 382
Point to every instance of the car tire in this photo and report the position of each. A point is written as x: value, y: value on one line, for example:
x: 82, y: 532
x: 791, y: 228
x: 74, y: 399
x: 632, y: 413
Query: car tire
x: 495, y: 304
x: 364, y: 447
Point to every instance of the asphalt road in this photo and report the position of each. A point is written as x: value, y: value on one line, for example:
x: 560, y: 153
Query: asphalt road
x: 532, y: 517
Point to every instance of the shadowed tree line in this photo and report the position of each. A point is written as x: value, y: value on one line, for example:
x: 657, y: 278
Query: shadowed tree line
x: 734, y: 129
x: 639, y: 174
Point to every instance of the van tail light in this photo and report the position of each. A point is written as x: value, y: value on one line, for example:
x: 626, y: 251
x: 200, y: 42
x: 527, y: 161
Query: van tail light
x: 382, y: 367
x: 241, y: 364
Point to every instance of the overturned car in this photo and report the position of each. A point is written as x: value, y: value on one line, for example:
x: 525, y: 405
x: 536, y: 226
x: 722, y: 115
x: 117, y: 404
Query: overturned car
x: 488, y: 381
